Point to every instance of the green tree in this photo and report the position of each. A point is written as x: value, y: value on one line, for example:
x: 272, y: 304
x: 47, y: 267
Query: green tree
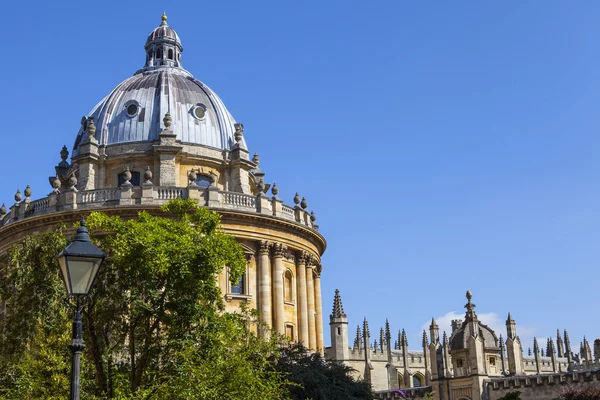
x: 313, y: 377
x: 516, y: 395
x: 156, y: 326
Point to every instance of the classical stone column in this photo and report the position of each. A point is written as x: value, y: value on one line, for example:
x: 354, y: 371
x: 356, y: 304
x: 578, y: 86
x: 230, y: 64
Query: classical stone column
x: 319, y: 311
x: 302, y: 299
x: 278, y: 250
x: 264, y: 284
x: 310, y: 295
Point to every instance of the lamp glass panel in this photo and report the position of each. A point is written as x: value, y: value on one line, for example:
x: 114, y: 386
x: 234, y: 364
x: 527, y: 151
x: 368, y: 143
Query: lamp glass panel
x: 82, y: 271
x: 62, y: 262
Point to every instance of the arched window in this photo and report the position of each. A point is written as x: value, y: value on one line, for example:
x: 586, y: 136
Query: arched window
x: 417, y: 381
x: 287, y: 284
x: 203, y: 181
x: 401, y: 380
x: 170, y: 54
x: 159, y: 53
x: 238, y: 288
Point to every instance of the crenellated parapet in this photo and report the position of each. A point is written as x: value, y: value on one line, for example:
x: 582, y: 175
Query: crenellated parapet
x: 546, y: 386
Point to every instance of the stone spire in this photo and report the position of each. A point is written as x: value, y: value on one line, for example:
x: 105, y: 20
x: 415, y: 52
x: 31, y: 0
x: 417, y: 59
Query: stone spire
x: 568, y: 352
x: 447, y: 359
x: 559, y: 344
x: 511, y: 327
x: 425, y: 340
x: 358, y: 339
x: 552, y: 351
x: 587, y: 350
x: 388, y: 338
x: 548, y: 348
x: 529, y: 351
x: 399, y: 339
x: 536, y: 351
x: 366, y: 334
x: 338, y: 309
x: 597, y: 349
x: 426, y: 360
x: 434, y: 331
x: 381, y: 339
x: 470, y: 315
x: 502, y: 358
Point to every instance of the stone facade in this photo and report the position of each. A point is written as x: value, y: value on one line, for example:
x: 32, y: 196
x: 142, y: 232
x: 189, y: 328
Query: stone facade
x: 123, y: 167
x: 473, y: 363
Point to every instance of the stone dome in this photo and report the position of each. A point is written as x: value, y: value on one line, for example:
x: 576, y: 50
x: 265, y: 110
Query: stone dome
x: 133, y: 111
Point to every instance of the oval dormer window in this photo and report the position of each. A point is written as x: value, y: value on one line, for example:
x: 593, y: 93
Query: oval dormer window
x: 199, y: 111
x: 132, y: 108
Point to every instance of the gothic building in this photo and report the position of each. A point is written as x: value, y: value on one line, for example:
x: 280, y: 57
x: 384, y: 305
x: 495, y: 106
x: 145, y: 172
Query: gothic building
x: 472, y: 362
x: 161, y: 134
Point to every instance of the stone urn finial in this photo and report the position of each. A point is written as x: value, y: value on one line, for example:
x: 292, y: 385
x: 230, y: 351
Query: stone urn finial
x: 27, y: 192
x: 167, y: 120
x: 313, y: 217
x: 72, y: 182
x: 256, y: 159
x: 297, y: 199
x: 56, y: 184
x: 127, y: 177
x: 275, y: 190
x: 64, y: 153
x: 192, y: 176
x: 18, y: 196
x: 239, y: 130
x: 91, y: 128
x: 304, y: 203
x: 148, y: 176
x: 3, y: 210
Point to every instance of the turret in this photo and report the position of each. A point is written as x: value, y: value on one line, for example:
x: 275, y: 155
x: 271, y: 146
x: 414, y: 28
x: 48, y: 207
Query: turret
x: 514, y: 351
x: 552, y: 351
x: 338, y: 323
x: 367, y: 345
x: 597, y: 349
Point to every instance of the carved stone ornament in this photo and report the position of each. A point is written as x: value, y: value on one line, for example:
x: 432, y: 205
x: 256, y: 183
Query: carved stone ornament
x: 313, y: 217
x: 127, y: 177
x: 213, y: 178
x: 56, y: 184
x: 289, y: 255
x: 297, y: 199
x: 72, y: 181
x: 304, y: 203
x: 275, y: 190
x: 278, y: 249
x: 260, y: 186
x: 27, y: 192
x: 64, y: 153
x: 167, y: 120
x: 256, y: 159
x: 91, y: 129
x: 148, y: 176
x: 18, y: 196
x: 3, y: 210
x: 239, y: 129
x: 192, y: 176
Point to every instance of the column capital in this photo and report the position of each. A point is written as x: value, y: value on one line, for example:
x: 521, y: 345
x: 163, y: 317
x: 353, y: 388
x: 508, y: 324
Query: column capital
x: 263, y: 246
x: 278, y: 249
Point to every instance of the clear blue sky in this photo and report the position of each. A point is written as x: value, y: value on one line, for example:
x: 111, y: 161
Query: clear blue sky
x: 444, y: 146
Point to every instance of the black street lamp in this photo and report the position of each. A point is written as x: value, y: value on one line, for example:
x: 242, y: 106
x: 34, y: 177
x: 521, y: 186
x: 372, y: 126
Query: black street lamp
x: 79, y: 264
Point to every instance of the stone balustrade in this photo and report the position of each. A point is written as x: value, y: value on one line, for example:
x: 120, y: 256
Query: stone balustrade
x: 151, y: 195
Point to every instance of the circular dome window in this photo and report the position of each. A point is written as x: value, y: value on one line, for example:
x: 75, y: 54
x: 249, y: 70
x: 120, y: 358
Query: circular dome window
x: 199, y: 111
x: 132, y: 110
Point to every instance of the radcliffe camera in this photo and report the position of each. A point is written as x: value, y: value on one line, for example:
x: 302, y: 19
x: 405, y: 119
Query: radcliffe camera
x: 383, y: 201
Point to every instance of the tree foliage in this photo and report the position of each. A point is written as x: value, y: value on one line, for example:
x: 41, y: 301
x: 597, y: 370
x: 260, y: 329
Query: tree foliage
x: 155, y: 327
x: 313, y: 377
x: 516, y: 395
x: 587, y: 393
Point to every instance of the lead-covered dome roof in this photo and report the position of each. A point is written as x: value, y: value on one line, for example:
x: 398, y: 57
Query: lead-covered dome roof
x: 133, y: 111
x: 472, y: 327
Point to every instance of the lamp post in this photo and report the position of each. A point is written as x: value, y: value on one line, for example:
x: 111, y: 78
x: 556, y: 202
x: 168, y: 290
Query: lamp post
x: 79, y: 264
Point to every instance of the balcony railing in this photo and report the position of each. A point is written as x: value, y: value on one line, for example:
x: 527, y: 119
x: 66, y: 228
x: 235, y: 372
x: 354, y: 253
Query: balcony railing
x: 157, y: 195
